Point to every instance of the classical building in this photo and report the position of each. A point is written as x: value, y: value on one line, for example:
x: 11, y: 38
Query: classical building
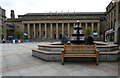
x: 113, y: 22
x: 2, y: 24
x: 54, y: 25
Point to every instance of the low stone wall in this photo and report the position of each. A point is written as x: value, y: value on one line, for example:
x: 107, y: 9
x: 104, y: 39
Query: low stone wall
x: 52, y: 52
x: 107, y: 48
x: 58, y: 57
x: 60, y: 48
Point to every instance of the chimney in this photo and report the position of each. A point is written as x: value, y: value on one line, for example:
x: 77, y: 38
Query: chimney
x: 12, y: 14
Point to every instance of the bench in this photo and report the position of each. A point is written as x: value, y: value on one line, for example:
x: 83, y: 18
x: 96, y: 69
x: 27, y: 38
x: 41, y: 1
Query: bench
x: 80, y: 51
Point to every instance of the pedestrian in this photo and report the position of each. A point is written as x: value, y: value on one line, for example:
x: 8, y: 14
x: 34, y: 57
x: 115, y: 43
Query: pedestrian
x: 3, y: 41
x: 19, y: 41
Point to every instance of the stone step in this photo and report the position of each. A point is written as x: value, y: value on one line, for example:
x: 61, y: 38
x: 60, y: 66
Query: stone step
x: 57, y: 52
x: 56, y: 56
x: 49, y: 47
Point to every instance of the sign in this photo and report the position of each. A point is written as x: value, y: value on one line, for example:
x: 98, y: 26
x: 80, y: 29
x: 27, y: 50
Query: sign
x: 25, y: 34
x: 95, y: 33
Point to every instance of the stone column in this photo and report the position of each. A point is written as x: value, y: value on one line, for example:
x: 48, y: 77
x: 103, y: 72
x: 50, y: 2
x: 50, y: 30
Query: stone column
x: 98, y: 28
x: 40, y: 32
x: 45, y: 30
x: 62, y: 29
x: 68, y: 30
x: 92, y: 27
x: 74, y: 25
x: 86, y: 25
x: 51, y: 30
x: 56, y: 30
x: 34, y: 30
x: 28, y: 26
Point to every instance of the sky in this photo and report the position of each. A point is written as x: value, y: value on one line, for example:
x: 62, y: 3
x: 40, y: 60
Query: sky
x: 22, y: 7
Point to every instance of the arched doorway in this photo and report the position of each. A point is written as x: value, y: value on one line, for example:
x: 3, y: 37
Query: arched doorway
x: 118, y: 37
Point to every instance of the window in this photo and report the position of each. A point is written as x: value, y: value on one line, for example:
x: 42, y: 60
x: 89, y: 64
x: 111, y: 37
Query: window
x: 38, y: 32
x: 111, y: 24
x: 44, y: 32
x: 119, y: 6
x: 106, y: 18
x: 17, y: 26
x: 2, y: 20
x: 107, y: 9
x: 10, y: 26
x: 111, y: 15
x: 114, y: 12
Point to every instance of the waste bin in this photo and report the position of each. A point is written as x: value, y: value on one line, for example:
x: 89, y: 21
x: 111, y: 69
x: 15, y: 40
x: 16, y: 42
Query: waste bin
x: 3, y: 41
x: 27, y: 41
x: 21, y: 41
x: 13, y: 41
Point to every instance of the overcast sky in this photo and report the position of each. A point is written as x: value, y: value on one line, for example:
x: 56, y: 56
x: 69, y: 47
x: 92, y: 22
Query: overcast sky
x: 37, y: 6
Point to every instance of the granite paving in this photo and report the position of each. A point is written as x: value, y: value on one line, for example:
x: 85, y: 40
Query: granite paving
x: 17, y: 60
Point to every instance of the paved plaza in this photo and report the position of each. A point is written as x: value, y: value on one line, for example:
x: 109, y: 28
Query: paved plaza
x: 17, y: 60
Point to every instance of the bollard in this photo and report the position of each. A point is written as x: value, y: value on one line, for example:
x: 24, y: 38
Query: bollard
x: 27, y: 41
x: 13, y: 41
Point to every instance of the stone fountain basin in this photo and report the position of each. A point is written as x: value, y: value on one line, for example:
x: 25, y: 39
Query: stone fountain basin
x: 102, y: 47
x: 52, y: 52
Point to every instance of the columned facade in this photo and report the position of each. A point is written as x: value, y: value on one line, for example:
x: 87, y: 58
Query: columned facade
x: 55, y: 30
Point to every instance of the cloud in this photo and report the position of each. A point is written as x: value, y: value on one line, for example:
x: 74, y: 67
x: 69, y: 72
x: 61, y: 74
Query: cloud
x: 35, y: 6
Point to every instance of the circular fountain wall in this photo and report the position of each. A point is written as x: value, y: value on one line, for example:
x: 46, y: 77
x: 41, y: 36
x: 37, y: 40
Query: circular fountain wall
x: 52, y: 52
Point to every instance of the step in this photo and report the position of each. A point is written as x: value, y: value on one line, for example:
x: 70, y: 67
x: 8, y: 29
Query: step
x: 56, y: 56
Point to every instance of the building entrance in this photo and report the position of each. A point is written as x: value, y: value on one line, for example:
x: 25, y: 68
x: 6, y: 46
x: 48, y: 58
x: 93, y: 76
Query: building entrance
x: 60, y: 36
x: 54, y: 36
x: 118, y: 36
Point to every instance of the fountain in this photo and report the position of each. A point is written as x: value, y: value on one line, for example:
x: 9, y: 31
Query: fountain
x: 52, y: 51
x: 78, y: 35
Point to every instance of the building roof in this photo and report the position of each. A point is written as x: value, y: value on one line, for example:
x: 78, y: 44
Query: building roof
x: 64, y: 14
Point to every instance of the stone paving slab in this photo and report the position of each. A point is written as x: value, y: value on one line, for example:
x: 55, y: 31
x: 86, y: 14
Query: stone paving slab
x: 17, y: 60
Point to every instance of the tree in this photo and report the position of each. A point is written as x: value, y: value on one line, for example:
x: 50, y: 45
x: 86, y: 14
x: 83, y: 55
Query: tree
x: 8, y: 32
x: 88, y: 31
x: 19, y: 35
